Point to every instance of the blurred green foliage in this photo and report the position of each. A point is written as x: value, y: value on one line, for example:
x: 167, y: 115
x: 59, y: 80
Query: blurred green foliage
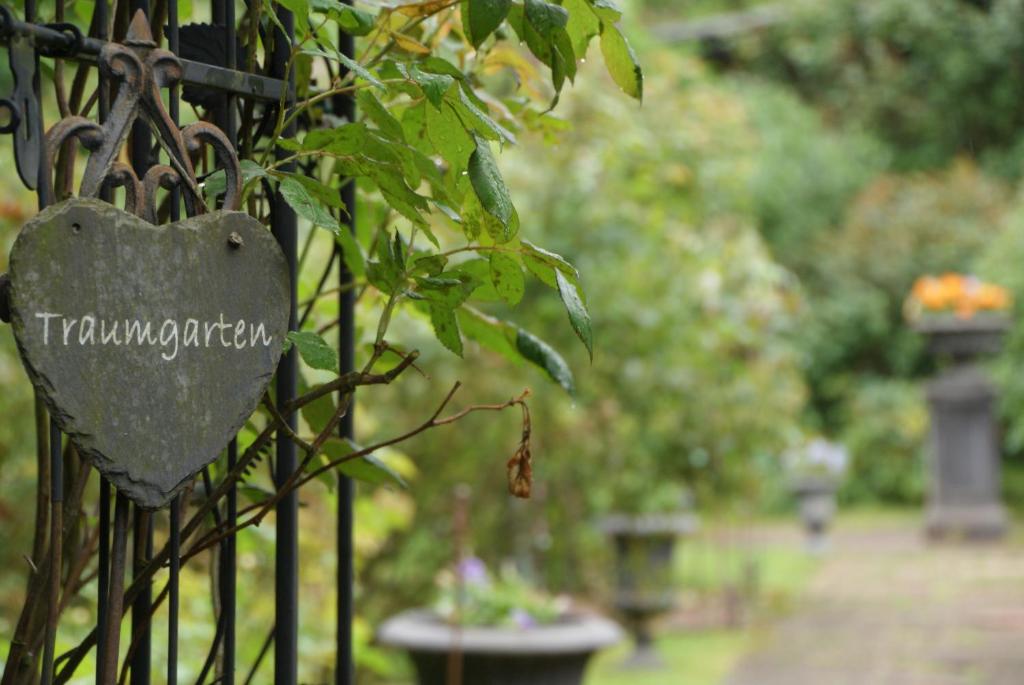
x: 933, y: 80
x: 885, y: 425
x: 745, y: 241
x: 1000, y: 263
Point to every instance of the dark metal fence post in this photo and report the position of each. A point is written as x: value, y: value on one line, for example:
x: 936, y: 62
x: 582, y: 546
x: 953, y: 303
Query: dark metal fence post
x: 174, y: 522
x: 103, y: 573
x: 224, y: 13
x: 345, y: 668
x: 143, y: 530
x: 285, y: 229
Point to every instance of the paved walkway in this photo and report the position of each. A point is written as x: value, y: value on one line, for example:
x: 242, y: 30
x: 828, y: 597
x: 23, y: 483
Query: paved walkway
x: 885, y: 609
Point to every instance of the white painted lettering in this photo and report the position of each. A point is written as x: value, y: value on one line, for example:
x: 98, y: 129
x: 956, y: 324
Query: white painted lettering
x: 87, y: 330
x: 209, y: 326
x: 143, y: 334
x: 168, y: 335
x: 240, y: 334
x: 259, y: 333
x: 67, y: 325
x: 191, y: 333
x: 46, y: 316
x: 223, y: 341
x: 112, y: 337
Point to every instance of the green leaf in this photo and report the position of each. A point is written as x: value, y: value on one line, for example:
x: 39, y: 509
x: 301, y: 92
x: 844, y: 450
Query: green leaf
x: 545, y: 17
x: 352, y: 65
x: 578, y: 316
x: 352, y: 21
x: 434, y: 85
x: 254, y: 493
x: 540, y: 353
x: 371, y: 107
x: 449, y: 289
x: 429, y: 264
x: 606, y: 10
x: 544, y: 264
x: 480, y: 271
x: 439, y: 65
x: 490, y: 189
x: 583, y: 25
x: 482, y: 122
x: 324, y: 194
x: 621, y: 62
x: 319, y: 412
x: 307, y: 206
x: 382, y: 278
x: 448, y: 136
x: 544, y: 30
x: 300, y: 8
x: 216, y: 183
x: 507, y: 277
x: 373, y: 470
x: 481, y: 17
x: 351, y: 252
x: 314, y: 350
x: 446, y: 327
x: 475, y: 220
x: 368, y: 468
x: 349, y: 139
x: 491, y: 333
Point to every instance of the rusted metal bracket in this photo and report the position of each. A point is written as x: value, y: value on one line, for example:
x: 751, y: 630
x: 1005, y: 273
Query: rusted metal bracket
x: 59, y: 39
x: 22, y: 107
x: 140, y: 70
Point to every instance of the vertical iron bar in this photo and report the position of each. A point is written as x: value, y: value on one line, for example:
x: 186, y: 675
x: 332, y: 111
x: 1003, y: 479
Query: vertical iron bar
x: 56, y: 461
x: 228, y: 580
x: 285, y: 229
x: 174, y: 537
x: 345, y: 105
x: 103, y: 573
x: 174, y: 542
x: 140, y: 665
x: 142, y: 552
x: 224, y: 13
x: 56, y: 549
x: 107, y: 659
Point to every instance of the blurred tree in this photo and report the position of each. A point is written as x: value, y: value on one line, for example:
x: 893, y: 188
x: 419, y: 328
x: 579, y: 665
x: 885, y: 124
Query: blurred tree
x: 694, y: 376
x: 897, y: 229
x: 932, y: 79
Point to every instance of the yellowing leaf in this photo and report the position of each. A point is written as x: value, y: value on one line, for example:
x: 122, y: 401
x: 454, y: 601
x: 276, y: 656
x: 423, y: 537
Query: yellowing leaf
x: 424, y: 9
x: 410, y: 44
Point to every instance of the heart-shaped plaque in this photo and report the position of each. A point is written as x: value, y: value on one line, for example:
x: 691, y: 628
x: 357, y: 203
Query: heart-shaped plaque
x: 151, y: 345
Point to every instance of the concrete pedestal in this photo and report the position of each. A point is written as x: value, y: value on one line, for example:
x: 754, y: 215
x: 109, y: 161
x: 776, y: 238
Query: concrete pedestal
x: 964, y: 497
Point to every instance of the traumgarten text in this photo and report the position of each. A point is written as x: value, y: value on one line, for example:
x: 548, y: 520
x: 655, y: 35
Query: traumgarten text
x: 169, y: 334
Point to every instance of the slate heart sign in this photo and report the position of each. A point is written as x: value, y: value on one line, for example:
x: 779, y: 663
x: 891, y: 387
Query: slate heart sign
x: 151, y: 345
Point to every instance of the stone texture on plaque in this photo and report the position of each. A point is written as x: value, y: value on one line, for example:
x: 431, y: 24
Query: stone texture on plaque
x: 151, y: 345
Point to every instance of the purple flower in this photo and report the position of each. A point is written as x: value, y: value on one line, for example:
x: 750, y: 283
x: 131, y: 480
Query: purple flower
x: 522, y: 619
x: 473, y: 571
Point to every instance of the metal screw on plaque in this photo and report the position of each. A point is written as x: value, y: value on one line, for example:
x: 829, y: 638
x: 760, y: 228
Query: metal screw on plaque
x: 235, y: 240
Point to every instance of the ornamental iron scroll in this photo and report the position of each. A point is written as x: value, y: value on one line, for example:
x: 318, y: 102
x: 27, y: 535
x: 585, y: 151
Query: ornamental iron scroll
x: 139, y: 70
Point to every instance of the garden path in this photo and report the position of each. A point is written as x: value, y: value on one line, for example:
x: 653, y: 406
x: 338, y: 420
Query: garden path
x: 886, y: 609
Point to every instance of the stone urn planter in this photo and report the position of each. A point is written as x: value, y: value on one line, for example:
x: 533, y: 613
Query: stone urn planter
x: 963, y: 454
x: 816, y: 504
x: 644, y: 574
x: 551, y: 654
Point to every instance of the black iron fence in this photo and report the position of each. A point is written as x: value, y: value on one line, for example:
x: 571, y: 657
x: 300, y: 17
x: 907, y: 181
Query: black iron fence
x: 229, y: 93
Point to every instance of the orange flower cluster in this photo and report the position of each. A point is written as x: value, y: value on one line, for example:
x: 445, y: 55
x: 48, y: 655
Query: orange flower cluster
x: 962, y: 295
